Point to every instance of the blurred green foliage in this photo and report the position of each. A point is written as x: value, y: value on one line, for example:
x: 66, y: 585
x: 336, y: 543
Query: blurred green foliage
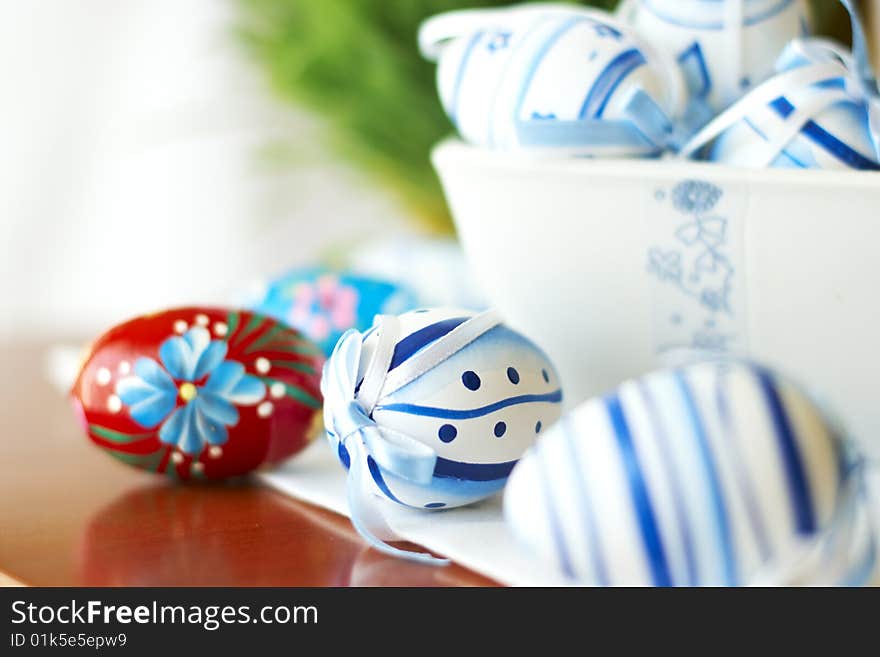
x: 356, y: 64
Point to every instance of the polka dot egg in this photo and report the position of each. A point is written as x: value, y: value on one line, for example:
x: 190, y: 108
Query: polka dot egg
x: 716, y: 474
x: 556, y: 78
x: 477, y: 405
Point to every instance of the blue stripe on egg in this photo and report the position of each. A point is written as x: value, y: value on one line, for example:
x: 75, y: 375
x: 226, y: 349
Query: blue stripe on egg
x: 472, y: 471
x: 587, y: 513
x: 415, y: 342
x: 641, y: 499
x: 744, y: 480
x: 821, y: 137
x: 343, y: 456
x: 724, y: 537
x: 554, y: 397
x: 796, y: 476
x: 673, y: 476
x: 553, y: 519
x: 490, y: 132
x: 376, y: 473
x: 608, y: 81
x: 539, y: 57
x: 693, y: 64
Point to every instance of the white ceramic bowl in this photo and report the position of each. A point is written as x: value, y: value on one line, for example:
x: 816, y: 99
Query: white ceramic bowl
x: 616, y: 267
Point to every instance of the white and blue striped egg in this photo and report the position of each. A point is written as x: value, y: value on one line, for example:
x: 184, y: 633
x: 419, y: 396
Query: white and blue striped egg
x: 480, y: 409
x: 699, y: 476
x: 836, y: 137
x: 512, y: 87
x: 699, y: 35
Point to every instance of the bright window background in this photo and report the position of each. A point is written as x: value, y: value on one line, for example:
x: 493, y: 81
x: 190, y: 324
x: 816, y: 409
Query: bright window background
x: 131, y: 174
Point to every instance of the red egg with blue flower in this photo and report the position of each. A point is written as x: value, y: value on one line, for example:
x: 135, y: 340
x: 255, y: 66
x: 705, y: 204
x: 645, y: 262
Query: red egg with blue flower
x: 200, y: 393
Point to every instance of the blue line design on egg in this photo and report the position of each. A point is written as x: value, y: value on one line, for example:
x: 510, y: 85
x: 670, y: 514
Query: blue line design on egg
x: 472, y: 471
x: 799, y: 491
x: 681, y: 515
x: 698, y: 78
x: 554, y: 397
x: 503, y: 76
x: 718, y: 25
x: 639, y: 492
x: 544, y: 479
x: 343, y: 455
x: 743, y: 476
x: 376, y: 473
x: 587, y: 511
x: 539, y: 57
x: 411, y: 344
x: 607, y: 82
x: 453, y: 103
x: 698, y: 429
x: 798, y: 163
x: 821, y: 137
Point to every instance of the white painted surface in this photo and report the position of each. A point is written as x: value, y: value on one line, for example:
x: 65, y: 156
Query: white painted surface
x: 130, y: 173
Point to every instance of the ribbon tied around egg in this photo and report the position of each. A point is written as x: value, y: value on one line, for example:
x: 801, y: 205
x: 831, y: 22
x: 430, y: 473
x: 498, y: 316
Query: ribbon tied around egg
x: 836, y: 74
x: 348, y: 405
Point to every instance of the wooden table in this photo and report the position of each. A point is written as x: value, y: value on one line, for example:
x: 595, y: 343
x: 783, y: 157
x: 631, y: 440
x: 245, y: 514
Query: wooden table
x: 72, y: 516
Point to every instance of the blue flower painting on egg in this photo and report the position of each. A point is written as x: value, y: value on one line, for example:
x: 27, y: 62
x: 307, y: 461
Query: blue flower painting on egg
x: 324, y: 304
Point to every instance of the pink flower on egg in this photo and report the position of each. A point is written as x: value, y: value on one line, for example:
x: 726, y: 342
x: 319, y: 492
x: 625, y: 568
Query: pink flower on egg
x: 324, y: 306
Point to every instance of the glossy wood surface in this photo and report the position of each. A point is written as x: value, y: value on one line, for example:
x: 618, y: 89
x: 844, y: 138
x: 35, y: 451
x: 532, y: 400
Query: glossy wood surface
x: 72, y: 516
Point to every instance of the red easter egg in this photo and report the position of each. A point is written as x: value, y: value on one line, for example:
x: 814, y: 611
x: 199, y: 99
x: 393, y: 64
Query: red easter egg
x: 200, y: 392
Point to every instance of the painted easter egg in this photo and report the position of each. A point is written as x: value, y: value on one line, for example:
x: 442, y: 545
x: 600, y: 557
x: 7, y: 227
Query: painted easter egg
x: 560, y: 79
x: 715, y: 474
x: 323, y: 303
x: 813, y: 115
x: 723, y: 48
x: 200, y: 392
x: 463, y: 390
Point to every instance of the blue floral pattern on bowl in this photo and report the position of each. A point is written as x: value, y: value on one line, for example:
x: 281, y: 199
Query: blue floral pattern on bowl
x: 699, y: 263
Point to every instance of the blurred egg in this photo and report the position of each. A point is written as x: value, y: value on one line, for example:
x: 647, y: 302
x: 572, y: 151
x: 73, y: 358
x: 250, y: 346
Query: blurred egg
x: 723, y: 48
x: 819, y: 125
x: 562, y: 79
x: 323, y: 303
x: 707, y: 475
x: 200, y: 392
x: 478, y: 406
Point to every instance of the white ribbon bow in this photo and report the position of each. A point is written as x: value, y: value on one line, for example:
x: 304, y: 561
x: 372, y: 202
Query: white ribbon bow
x: 348, y: 411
